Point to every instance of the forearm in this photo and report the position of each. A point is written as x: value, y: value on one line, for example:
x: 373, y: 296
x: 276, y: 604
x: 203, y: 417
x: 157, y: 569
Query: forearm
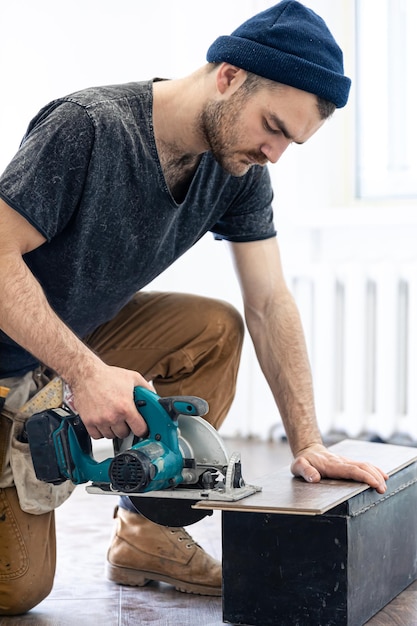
x: 274, y: 324
x: 27, y: 318
x: 280, y: 347
x: 103, y: 395
x: 279, y: 342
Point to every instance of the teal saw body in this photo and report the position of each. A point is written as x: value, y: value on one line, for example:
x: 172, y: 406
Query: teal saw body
x: 180, y: 461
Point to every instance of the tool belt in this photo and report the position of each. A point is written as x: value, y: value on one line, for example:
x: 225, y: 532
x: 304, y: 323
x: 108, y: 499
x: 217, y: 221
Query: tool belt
x: 32, y: 393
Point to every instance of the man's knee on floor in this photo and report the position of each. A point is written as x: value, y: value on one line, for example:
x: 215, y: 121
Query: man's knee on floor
x: 20, y: 595
x: 27, y: 555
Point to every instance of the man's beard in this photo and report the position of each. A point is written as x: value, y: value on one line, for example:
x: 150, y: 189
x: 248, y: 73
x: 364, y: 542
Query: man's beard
x: 218, y: 124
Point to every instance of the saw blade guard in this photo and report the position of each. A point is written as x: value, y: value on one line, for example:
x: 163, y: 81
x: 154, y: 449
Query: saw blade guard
x: 201, y: 448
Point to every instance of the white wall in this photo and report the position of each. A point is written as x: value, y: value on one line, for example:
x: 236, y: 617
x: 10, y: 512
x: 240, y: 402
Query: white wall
x: 48, y: 49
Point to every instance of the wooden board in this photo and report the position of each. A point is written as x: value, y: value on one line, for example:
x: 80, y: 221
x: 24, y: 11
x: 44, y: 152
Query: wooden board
x: 282, y: 493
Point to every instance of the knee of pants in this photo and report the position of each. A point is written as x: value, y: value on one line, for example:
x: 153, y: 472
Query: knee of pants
x: 155, y: 325
x: 224, y: 320
x: 21, y: 595
x: 216, y: 345
x: 27, y: 555
x: 207, y: 362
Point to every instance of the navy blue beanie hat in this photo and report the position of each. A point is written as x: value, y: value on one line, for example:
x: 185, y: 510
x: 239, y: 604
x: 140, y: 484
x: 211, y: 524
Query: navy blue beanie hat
x: 289, y: 44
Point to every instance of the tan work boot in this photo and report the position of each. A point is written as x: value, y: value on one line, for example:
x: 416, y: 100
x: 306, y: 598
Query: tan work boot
x: 142, y: 551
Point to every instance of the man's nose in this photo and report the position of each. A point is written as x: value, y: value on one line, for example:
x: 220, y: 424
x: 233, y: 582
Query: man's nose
x: 274, y: 148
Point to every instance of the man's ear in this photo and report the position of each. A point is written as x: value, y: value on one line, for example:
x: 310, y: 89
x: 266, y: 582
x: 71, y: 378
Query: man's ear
x: 229, y: 78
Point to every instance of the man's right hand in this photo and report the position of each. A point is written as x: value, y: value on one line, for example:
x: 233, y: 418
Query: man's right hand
x: 104, y: 401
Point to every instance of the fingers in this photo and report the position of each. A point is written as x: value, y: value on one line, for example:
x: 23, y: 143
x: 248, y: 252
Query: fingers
x: 94, y: 432
x: 117, y: 422
x: 136, y: 424
x: 301, y: 467
x: 119, y: 431
x: 365, y: 473
x: 313, y: 467
x: 358, y: 471
x: 106, y: 406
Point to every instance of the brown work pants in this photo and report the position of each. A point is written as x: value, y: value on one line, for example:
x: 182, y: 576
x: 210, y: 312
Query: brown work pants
x: 188, y: 345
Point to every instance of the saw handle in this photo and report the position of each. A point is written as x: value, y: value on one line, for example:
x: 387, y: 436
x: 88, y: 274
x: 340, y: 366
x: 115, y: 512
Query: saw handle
x: 156, y: 411
x: 184, y: 405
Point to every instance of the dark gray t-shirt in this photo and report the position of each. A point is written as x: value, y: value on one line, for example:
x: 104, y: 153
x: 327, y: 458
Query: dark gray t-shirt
x: 87, y: 176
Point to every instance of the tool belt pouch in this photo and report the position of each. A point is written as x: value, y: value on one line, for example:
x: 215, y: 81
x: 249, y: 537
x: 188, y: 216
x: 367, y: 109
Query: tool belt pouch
x: 16, y: 468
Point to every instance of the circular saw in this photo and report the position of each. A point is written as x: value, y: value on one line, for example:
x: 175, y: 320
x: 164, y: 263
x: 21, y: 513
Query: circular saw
x: 182, y: 459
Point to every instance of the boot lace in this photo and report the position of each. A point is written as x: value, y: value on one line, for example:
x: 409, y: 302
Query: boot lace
x: 184, y: 536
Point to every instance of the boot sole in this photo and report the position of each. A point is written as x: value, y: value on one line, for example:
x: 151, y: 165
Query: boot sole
x: 138, y: 578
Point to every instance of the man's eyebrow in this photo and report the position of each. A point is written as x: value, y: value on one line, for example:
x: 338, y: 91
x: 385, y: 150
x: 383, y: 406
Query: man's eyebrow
x: 283, y: 128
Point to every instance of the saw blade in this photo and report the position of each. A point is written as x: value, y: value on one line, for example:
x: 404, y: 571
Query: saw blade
x: 169, y: 512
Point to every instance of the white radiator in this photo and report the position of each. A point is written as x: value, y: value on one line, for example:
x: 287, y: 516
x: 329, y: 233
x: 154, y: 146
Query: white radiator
x: 361, y: 329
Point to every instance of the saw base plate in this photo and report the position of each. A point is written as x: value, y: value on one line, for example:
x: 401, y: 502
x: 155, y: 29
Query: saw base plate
x: 174, y: 507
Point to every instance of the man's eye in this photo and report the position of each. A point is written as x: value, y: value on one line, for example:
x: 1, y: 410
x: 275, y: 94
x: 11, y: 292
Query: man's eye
x: 269, y: 128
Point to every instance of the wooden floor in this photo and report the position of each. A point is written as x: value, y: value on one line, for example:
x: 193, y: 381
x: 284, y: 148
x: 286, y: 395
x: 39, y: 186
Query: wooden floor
x: 82, y: 596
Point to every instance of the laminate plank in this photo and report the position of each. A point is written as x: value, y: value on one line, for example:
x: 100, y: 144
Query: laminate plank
x: 282, y: 493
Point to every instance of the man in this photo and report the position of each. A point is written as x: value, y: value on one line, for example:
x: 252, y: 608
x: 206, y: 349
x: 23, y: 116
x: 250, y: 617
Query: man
x: 109, y: 187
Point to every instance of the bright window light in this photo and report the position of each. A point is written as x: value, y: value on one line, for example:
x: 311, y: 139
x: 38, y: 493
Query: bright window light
x: 386, y: 98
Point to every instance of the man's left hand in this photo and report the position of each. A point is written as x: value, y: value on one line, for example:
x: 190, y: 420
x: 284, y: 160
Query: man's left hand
x: 316, y: 462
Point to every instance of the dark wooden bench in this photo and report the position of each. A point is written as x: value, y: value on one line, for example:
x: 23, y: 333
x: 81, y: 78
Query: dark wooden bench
x: 331, y: 553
